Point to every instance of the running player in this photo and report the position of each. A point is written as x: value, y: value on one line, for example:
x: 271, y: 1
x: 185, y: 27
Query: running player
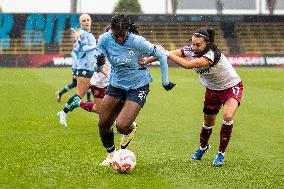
x: 129, y: 82
x: 223, y: 87
x: 85, y: 69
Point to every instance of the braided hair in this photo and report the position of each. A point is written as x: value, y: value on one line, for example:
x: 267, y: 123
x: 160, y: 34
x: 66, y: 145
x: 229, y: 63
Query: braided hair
x: 121, y: 21
x: 107, y: 28
x: 209, y: 35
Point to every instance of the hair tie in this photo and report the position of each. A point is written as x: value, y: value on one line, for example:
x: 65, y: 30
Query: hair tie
x: 200, y: 34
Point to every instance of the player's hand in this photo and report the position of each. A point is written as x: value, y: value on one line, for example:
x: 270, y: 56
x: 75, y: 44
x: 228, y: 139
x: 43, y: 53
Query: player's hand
x: 143, y: 61
x: 101, y: 60
x: 169, y: 86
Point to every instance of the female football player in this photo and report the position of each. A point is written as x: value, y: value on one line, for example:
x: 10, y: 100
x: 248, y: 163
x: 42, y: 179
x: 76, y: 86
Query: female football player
x: 223, y: 87
x: 85, y: 68
x: 129, y: 81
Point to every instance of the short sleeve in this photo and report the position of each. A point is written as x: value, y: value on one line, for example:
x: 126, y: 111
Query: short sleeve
x: 209, y: 56
x: 186, y: 51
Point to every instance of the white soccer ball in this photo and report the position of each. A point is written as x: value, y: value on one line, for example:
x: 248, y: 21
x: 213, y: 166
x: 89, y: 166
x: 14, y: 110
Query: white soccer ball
x: 123, y: 160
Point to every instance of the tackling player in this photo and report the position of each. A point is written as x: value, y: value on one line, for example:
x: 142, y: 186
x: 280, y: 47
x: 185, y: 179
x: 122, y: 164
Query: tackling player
x: 223, y: 87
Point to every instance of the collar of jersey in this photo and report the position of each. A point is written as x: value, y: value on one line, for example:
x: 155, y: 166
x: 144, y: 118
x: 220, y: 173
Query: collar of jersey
x: 123, y: 41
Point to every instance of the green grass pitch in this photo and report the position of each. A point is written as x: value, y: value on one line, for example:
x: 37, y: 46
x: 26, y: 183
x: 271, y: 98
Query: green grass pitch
x: 36, y: 152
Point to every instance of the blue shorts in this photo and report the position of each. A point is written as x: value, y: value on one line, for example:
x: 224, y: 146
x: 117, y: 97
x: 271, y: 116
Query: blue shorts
x: 136, y: 95
x: 84, y: 73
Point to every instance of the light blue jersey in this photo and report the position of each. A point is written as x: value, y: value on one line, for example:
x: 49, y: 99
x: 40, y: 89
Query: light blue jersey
x: 74, y: 54
x: 126, y: 73
x: 87, y: 45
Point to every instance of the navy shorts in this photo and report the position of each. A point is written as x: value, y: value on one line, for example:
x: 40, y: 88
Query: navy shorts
x: 84, y: 73
x: 136, y: 95
x: 74, y: 71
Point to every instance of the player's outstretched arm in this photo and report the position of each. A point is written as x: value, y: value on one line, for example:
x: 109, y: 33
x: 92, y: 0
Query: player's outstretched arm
x: 164, y: 69
x: 188, y: 64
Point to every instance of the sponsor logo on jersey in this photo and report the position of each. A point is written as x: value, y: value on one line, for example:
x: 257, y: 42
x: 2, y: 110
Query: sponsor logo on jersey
x: 96, y: 92
x: 131, y: 52
x: 203, y: 70
x: 82, y: 37
x: 120, y: 60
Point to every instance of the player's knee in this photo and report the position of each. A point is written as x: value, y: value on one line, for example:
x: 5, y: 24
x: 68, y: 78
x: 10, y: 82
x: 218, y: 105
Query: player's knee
x: 123, y: 127
x: 208, y: 111
x: 228, y: 116
x: 120, y: 127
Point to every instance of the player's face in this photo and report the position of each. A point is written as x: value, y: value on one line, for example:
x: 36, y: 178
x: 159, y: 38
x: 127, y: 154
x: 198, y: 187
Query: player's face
x: 85, y: 22
x: 198, y: 44
x: 119, y: 35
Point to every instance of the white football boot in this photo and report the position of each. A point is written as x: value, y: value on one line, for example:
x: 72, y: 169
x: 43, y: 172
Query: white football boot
x: 62, y: 118
x: 107, y: 161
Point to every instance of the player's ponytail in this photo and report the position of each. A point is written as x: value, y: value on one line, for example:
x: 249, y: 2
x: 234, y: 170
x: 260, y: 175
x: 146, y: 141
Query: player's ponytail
x: 107, y: 28
x: 213, y: 47
x: 133, y: 28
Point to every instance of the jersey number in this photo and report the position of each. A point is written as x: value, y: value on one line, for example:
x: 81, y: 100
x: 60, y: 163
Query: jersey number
x: 236, y: 90
x: 142, y: 95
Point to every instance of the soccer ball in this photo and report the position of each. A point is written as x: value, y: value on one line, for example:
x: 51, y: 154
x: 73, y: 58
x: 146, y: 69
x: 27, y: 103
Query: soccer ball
x: 123, y: 160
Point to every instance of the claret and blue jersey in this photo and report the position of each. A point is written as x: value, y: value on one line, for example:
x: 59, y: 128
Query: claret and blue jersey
x: 126, y: 73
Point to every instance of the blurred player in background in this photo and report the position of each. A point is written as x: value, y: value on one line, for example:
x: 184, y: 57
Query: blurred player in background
x: 98, y: 86
x: 223, y: 87
x: 74, y: 55
x: 85, y: 69
x: 129, y: 81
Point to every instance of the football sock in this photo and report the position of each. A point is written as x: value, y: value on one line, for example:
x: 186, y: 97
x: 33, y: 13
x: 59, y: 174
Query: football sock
x: 88, y: 106
x: 73, y: 84
x: 64, y: 90
x: 205, y: 135
x: 89, y: 95
x: 66, y: 108
x: 225, y: 135
x: 203, y: 148
x: 69, y: 87
x: 108, y: 141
